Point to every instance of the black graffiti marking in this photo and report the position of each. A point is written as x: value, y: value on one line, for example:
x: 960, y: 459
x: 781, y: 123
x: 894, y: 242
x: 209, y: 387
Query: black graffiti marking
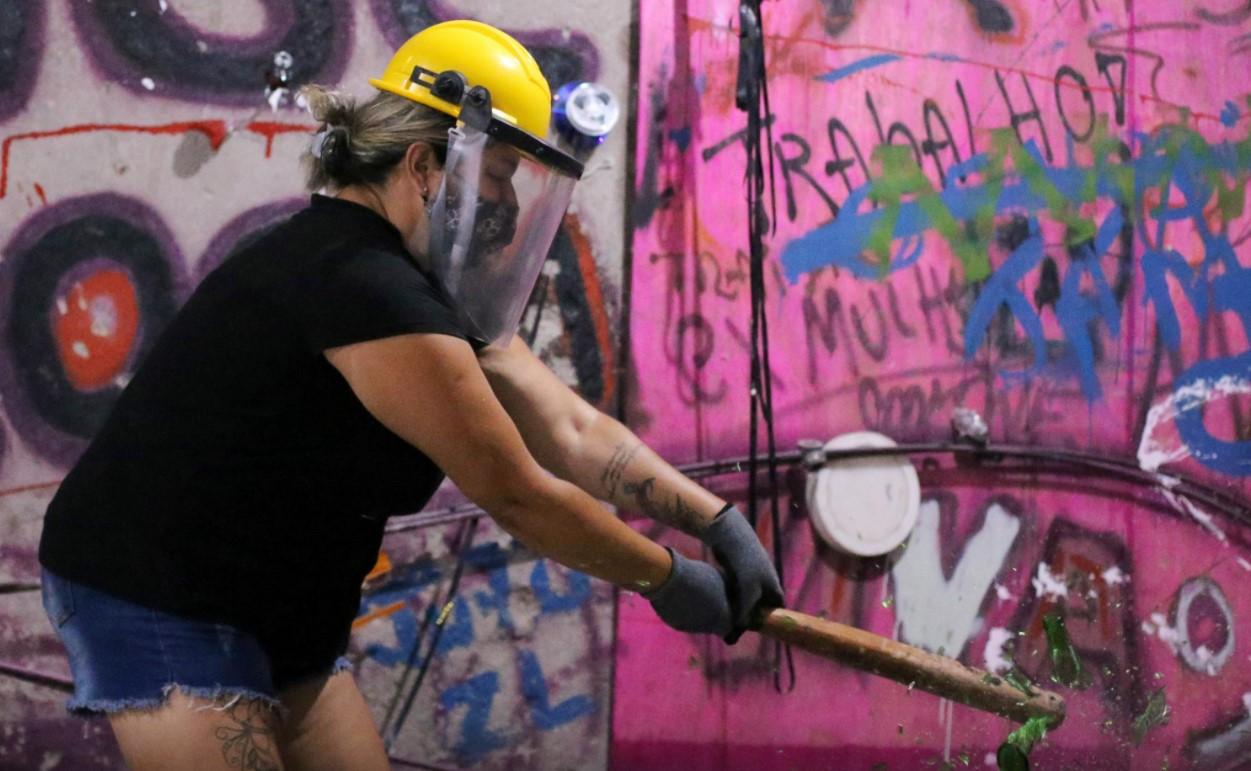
x: 838, y: 14
x: 693, y: 342
x: 968, y: 118
x: 1076, y: 77
x: 1096, y: 39
x: 992, y: 16
x: 738, y: 137
x: 828, y: 323
x: 875, y: 348
x: 935, y: 300
x: 1100, y: 616
x: 1231, y: 18
x: 709, y: 275
x: 797, y: 165
x: 743, y: 343
x: 795, y: 155
x: 132, y: 42
x: 1020, y: 118
x: 578, y: 321
x: 839, y: 165
x: 21, y: 45
x: 1223, y: 744
x: 930, y: 112
x: 1104, y: 63
x: 888, y: 137
x: 862, y: 326
x: 647, y: 198
x: 1048, y: 291
x: 896, y: 317
x: 911, y: 410
x: 869, y: 327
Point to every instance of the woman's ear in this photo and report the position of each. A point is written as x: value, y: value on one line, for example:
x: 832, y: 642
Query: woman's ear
x: 423, y: 166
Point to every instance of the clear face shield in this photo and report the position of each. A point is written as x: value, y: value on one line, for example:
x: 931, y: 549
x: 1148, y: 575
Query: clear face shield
x: 493, y: 221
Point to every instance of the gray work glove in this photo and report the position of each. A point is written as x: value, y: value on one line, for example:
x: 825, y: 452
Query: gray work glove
x: 750, y: 576
x: 693, y: 598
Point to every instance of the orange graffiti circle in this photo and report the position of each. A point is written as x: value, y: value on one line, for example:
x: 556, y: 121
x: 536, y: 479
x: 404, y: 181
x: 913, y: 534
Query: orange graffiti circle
x: 95, y: 324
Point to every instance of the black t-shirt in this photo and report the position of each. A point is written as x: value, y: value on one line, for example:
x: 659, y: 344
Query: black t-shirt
x: 238, y: 478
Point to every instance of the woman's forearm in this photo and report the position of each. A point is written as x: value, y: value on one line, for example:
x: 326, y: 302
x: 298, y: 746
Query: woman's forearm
x: 564, y: 523
x: 611, y: 463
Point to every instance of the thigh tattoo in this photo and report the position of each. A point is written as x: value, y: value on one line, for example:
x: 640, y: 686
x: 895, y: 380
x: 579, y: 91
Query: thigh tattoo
x: 248, y: 742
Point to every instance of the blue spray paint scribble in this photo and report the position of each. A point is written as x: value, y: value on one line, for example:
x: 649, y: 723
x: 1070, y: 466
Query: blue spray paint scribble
x: 1170, y: 164
x: 1230, y: 115
x: 458, y: 631
x: 867, y: 63
x: 476, y: 694
x: 1204, y: 380
x: 545, y: 715
x: 552, y: 602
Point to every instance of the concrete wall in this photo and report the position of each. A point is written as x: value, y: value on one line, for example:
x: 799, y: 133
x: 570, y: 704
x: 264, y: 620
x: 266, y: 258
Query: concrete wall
x: 139, y: 145
x: 1036, y: 210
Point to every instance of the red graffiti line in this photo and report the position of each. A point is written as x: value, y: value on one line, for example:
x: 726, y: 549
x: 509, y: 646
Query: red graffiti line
x: 28, y: 488
x: 215, y: 130
x: 595, y: 304
x: 271, y: 129
x: 43, y: 198
x: 709, y: 26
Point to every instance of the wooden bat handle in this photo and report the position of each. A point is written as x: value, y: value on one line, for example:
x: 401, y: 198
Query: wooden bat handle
x: 910, y: 665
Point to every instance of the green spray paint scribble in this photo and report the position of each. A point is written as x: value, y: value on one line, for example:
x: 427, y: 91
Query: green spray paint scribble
x: 1066, y: 665
x: 902, y: 176
x: 1061, y: 208
x: 1113, y: 169
x: 1155, y: 715
x: 1013, y: 754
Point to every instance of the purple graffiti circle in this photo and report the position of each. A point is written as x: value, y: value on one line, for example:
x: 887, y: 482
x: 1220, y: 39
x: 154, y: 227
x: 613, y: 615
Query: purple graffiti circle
x: 563, y: 58
x: 105, y: 261
x: 21, y: 43
x: 153, y: 50
x: 244, y: 229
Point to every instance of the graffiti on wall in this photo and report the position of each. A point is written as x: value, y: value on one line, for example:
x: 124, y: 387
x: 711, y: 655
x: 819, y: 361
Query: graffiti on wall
x: 495, y: 689
x: 1038, y: 211
x: 140, y: 144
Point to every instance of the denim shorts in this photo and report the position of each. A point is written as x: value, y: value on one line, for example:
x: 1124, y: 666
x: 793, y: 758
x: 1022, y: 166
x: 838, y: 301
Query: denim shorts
x: 127, y: 656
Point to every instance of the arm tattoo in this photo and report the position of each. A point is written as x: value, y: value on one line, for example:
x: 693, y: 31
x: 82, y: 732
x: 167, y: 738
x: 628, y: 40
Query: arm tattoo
x: 679, y: 514
x: 248, y: 743
x: 615, y: 470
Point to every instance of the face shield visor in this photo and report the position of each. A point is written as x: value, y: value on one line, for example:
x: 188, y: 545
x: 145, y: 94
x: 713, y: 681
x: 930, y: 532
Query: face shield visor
x: 502, y: 198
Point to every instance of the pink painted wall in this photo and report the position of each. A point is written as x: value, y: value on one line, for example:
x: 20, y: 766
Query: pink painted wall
x: 1091, y: 293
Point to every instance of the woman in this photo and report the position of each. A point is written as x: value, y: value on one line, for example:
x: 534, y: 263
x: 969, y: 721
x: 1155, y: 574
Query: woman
x: 203, y: 560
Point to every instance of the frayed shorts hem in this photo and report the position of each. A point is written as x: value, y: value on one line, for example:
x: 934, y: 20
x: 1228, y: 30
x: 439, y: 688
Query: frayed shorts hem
x: 222, y: 697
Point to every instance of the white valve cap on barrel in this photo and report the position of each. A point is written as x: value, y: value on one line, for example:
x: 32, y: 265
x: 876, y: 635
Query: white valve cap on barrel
x: 864, y: 506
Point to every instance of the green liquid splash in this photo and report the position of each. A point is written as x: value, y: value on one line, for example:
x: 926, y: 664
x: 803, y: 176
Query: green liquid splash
x: 1013, y: 754
x: 1155, y: 715
x: 1017, y: 679
x: 1066, y: 666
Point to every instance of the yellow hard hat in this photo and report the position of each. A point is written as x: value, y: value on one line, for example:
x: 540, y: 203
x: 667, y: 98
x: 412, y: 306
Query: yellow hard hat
x: 484, y: 56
